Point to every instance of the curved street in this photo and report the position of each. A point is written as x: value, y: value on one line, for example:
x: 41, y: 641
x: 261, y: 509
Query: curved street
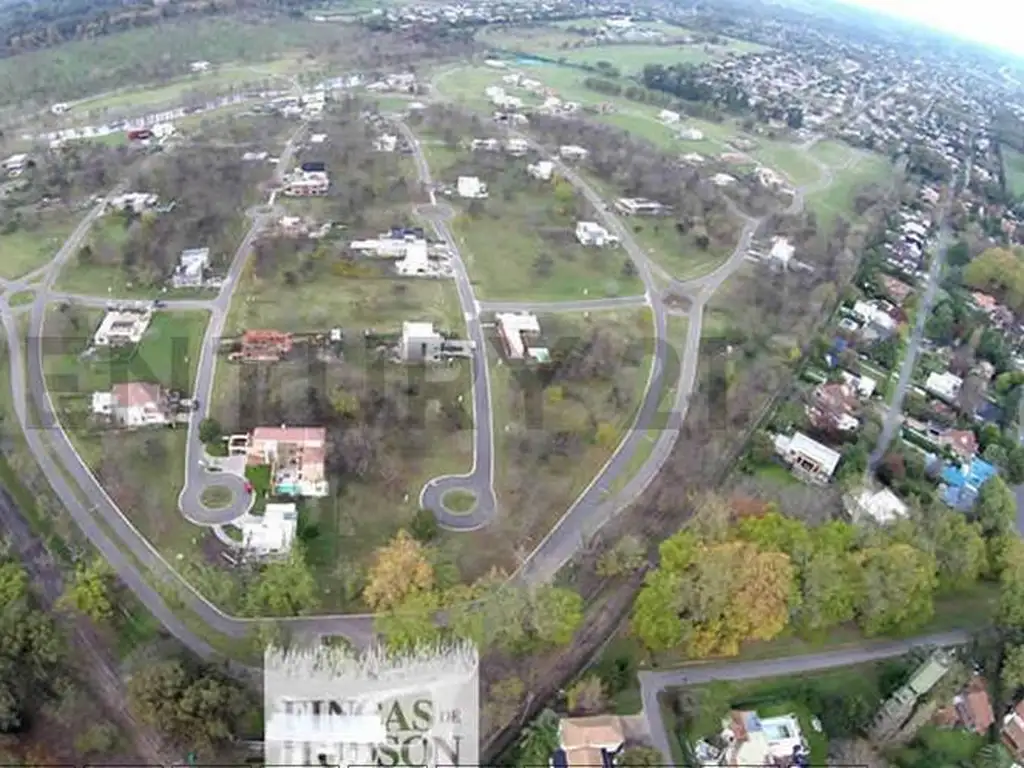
x: 480, y: 480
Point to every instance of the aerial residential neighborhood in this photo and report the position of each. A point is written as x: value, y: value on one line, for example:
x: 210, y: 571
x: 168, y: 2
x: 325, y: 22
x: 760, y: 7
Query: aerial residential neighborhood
x: 640, y: 384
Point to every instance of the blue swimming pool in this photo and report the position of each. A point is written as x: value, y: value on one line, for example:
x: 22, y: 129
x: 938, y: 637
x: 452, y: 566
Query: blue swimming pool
x: 286, y: 489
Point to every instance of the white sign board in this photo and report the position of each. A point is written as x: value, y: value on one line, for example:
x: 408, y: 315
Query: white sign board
x: 334, y: 707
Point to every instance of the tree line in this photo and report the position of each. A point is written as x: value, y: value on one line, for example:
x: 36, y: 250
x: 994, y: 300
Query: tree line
x: 728, y: 577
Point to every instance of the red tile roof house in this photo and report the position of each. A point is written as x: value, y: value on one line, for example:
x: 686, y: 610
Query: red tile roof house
x: 961, y: 441
x: 296, y: 457
x: 974, y: 706
x: 833, y: 406
x: 133, y: 404
x: 265, y: 346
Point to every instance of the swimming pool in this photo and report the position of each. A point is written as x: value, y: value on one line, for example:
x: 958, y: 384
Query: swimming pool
x: 286, y: 489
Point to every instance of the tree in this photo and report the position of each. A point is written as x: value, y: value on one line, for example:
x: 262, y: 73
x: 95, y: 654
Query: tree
x: 538, y: 740
x: 640, y: 757
x: 994, y: 756
x: 1012, y: 674
x: 899, y: 585
x: 996, y: 508
x: 424, y: 526
x: 586, y: 696
x: 284, y: 588
x: 13, y: 583
x: 655, y: 619
x: 400, y: 568
x: 557, y: 614
x: 1011, y: 583
x: 90, y: 592
x: 959, y: 549
x: 411, y: 623
x: 193, y: 706
x: 830, y: 587
x: 210, y: 430
x: 627, y: 555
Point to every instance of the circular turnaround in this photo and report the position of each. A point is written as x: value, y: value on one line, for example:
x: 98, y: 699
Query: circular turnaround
x: 459, y: 501
x: 216, y: 497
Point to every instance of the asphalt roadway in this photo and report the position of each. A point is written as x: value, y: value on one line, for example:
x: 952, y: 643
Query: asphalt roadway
x: 894, y: 416
x: 652, y: 683
x: 480, y: 479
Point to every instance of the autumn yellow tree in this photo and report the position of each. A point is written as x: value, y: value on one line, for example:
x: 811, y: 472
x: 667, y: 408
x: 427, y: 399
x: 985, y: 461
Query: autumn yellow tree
x: 399, y: 569
x: 737, y: 592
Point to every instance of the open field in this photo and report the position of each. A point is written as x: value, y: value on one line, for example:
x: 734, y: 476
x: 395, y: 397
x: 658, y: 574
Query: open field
x: 575, y: 41
x: 466, y: 85
x: 155, y: 55
x: 555, y: 429
x: 522, y: 245
x: 142, y: 469
x: 1013, y: 167
x: 631, y: 59
x: 838, y: 198
x: 24, y: 249
x: 368, y: 300
x: 218, y: 79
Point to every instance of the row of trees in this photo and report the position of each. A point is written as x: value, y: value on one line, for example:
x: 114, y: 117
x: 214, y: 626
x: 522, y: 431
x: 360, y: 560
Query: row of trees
x: 749, y: 578
x: 495, y: 614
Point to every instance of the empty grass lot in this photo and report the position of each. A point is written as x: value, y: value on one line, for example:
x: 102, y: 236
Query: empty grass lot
x: 839, y: 197
x: 141, y: 469
x: 219, y: 79
x: 26, y: 249
x: 502, y: 251
x: 1013, y: 167
x: 631, y: 59
x: 157, y: 55
x: 550, y: 443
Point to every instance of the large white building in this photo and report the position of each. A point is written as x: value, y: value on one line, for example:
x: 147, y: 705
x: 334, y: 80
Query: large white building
x: 592, y: 233
x: 808, y: 458
x: 122, y: 327
x: 471, y: 188
x: 191, y: 269
x: 420, y: 343
x: 945, y: 386
x: 271, y: 534
x: 542, y: 169
x: 132, y: 404
x: 517, y: 330
x: 782, y: 251
x: 882, y: 506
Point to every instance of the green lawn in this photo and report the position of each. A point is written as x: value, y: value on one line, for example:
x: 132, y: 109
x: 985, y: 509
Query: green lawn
x: 141, y: 469
x: 787, y: 159
x: 631, y: 59
x: 157, y: 55
x: 839, y: 197
x: 218, y: 79
x: 524, y: 247
x: 26, y: 249
x: 1013, y: 167
x: 550, y: 442
x: 168, y: 353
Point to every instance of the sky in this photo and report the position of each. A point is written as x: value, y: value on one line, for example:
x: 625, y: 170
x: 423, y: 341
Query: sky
x: 998, y: 23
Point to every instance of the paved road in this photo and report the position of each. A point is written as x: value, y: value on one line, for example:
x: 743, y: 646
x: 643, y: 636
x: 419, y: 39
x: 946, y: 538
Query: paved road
x: 653, y: 683
x: 480, y: 479
x: 197, y: 477
x: 894, y: 416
